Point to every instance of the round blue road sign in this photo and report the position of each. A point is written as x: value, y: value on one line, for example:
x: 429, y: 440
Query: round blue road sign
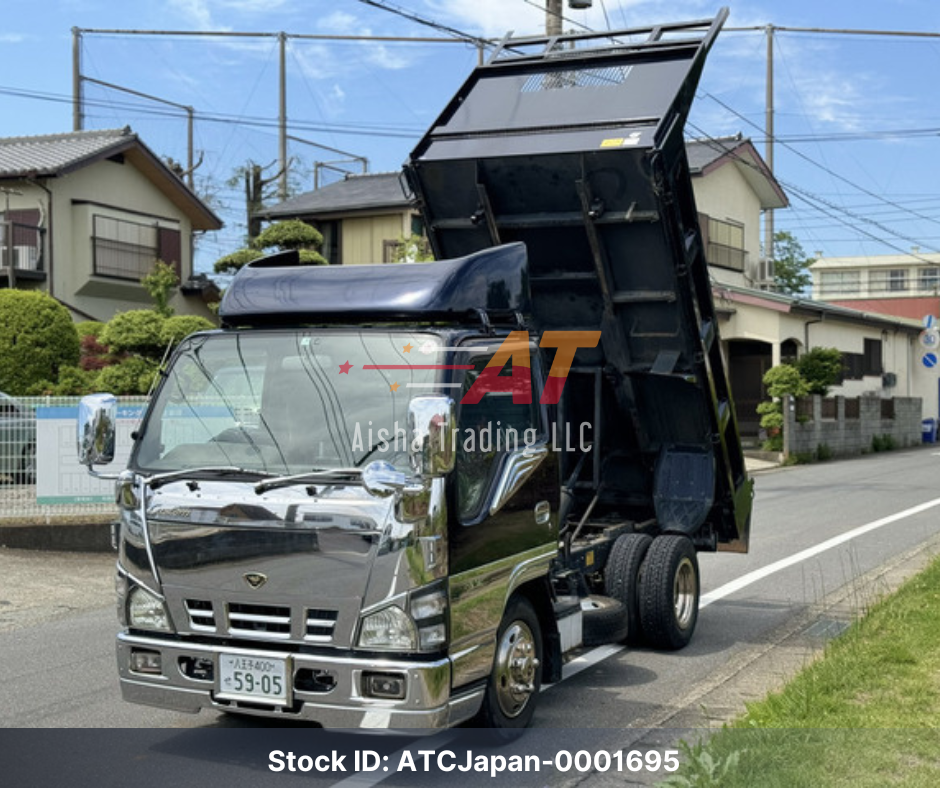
x: 929, y: 360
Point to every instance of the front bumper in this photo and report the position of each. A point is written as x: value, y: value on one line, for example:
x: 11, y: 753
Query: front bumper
x: 427, y: 704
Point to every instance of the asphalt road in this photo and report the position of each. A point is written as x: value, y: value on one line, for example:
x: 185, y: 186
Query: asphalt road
x: 821, y: 534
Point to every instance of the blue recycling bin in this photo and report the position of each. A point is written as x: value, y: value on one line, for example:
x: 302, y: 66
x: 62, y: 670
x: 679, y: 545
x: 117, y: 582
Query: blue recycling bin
x: 928, y: 430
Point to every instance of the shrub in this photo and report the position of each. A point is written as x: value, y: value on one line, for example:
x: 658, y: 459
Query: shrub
x: 73, y: 382
x: 780, y: 381
x: 89, y: 328
x: 160, y: 282
x: 231, y: 263
x: 136, y: 331
x: 37, y: 339
x: 821, y: 368
x: 176, y: 329
x: 134, y: 375
x: 310, y: 257
x: 289, y: 234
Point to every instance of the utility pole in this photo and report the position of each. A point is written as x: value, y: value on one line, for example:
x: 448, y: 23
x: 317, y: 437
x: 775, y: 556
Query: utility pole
x: 282, y: 118
x: 77, y: 120
x: 769, y: 147
x: 553, y: 17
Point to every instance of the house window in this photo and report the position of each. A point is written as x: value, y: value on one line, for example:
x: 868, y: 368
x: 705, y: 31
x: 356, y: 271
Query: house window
x: 839, y: 283
x: 725, y: 244
x: 893, y: 281
x: 872, y: 354
x: 928, y: 279
x: 128, y: 250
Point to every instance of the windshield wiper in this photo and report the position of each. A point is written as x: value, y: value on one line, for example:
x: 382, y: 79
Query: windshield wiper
x: 159, y: 479
x: 321, y: 475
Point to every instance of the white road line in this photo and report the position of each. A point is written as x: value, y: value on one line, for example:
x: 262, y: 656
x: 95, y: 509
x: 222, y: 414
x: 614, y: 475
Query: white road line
x: 809, y: 552
x: 599, y: 654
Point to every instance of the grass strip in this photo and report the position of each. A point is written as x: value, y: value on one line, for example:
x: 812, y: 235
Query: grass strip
x: 865, y: 714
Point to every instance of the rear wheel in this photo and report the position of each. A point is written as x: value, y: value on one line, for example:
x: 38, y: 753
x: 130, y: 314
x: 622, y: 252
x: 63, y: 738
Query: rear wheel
x: 669, y: 592
x: 622, y: 578
x: 516, y: 677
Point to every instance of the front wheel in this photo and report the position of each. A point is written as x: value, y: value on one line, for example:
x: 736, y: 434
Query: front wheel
x: 516, y: 678
x: 669, y: 592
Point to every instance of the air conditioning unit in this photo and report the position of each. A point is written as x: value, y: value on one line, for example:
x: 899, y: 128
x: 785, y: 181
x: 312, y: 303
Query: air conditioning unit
x: 765, y: 275
x: 25, y: 258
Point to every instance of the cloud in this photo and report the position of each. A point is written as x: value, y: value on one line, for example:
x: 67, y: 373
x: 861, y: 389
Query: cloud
x: 12, y: 38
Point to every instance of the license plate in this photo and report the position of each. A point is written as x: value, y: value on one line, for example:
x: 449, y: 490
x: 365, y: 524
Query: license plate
x: 253, y: 678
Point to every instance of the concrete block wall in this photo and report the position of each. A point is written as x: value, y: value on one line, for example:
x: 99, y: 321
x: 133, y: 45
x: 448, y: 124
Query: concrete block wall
x: 849, y: 436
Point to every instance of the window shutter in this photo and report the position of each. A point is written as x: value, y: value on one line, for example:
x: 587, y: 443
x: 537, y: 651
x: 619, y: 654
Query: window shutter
x: 170, y: 245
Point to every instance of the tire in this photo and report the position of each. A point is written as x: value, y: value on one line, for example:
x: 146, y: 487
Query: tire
x: 622, y: 579
x: 26, y: 472
x: 516, y: 677
x: 603, y: 620
x: 669, y: 593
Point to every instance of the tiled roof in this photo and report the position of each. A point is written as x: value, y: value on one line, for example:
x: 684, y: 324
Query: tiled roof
x: 353, y: 193
x: 701, y: 153
x: 54, y: 154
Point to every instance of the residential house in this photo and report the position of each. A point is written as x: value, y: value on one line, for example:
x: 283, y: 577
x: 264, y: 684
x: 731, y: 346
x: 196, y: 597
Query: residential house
x: 86, y: 214
x: 902, y: 285
x: 363, y: 218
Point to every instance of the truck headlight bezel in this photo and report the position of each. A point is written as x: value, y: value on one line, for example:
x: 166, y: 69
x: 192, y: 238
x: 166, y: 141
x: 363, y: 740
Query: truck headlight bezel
x: 147, y: 611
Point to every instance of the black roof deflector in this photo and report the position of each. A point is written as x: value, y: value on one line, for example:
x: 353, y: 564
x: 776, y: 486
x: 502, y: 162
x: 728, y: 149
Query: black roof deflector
x: 276, y: 290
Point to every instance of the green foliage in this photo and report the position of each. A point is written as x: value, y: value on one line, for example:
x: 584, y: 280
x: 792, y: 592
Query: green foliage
x: 72, y: 382
x: 413, y: 249
x: 780, y: 381
x: 785, y: 379
x: 881, y: 443
x: 289, y: 234
x: 701, y: 768
x: 231, y: 263
x: 160, y: 282
x: 824, y: 452
x: 176, y: 329
x: 89, y: 328
x: 37, y: 339
x: 134, y: 375
x: 821, y: 368
x: 791, y: 276
x: 137, y: 331
x: 311, y: 257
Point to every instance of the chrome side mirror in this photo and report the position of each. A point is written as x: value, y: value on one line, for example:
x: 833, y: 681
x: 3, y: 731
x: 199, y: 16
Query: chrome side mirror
x: 432, y: 424
x: 96, y: 429
x: 381, y: 479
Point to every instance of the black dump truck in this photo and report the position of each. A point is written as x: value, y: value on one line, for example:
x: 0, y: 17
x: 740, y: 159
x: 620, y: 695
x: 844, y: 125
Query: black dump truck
x: 400, y: 496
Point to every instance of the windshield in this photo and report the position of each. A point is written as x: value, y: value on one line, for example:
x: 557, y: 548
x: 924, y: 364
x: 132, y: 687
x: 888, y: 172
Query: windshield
x: 288, y: 402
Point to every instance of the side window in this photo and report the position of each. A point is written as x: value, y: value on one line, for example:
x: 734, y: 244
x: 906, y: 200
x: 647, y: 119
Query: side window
x: 487, y: 431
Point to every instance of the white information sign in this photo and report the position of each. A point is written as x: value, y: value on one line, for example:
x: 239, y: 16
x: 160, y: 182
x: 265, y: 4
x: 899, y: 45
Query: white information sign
x: 60, y: 478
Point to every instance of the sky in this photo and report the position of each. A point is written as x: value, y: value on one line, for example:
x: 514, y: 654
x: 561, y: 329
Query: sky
x: 857, y: 121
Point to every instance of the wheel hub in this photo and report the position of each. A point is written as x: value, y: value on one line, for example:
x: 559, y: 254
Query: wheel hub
x: 516, y: 663
x: 684, y: 593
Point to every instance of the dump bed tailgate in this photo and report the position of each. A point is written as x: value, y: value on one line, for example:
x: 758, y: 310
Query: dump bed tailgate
x: 574, y: 146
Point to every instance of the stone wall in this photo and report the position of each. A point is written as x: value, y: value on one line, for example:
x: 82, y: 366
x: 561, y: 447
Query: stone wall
x: 846, y: 427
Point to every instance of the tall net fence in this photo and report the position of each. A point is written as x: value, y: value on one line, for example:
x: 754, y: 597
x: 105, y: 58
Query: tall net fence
x: 41, y: 480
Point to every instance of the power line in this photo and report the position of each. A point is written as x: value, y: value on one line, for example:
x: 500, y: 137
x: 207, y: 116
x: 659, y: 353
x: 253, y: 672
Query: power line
x: 820, y: 204
x: 824, y: 168
x: 402, y: 132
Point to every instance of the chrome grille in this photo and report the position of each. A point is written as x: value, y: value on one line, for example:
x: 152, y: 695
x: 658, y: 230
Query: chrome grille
x: 320, y: 625
x: 266, y: 620
x: 201, y: 615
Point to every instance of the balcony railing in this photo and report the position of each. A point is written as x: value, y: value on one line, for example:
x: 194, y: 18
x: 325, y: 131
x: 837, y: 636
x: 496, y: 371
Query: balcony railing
x: 726, y: 256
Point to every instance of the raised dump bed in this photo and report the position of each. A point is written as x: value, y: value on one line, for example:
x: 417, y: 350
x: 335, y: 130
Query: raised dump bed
x: 574, y: 146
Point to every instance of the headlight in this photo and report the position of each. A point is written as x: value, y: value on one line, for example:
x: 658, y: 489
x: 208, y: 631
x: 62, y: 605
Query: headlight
x: 145, y: 611
x: 388, y: 628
